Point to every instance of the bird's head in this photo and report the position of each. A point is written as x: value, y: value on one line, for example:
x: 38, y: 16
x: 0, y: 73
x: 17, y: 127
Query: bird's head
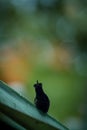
x: 38, y: 85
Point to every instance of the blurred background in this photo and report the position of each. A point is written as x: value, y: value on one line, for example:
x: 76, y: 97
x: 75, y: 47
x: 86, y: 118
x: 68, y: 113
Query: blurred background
x: 46, y: 40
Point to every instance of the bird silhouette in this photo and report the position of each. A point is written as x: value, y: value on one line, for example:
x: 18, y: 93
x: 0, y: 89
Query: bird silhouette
x: 41, y: 100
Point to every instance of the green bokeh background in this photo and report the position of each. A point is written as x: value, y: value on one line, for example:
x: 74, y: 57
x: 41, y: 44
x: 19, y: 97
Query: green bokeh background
x: 31, y: 28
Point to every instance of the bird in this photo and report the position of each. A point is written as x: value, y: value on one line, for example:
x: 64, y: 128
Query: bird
x: 41, y: 100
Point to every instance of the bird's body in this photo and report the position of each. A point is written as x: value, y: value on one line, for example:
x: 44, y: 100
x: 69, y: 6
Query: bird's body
x: 41, y: 100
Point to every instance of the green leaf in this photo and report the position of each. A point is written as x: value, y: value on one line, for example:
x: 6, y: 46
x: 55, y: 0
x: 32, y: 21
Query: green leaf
x: 23, y: 113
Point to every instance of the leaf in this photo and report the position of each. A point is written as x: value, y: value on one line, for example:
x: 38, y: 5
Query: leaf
x: 23, y: 112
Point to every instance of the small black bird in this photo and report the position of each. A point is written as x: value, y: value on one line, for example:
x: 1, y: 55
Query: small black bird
x: 41, y: 100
